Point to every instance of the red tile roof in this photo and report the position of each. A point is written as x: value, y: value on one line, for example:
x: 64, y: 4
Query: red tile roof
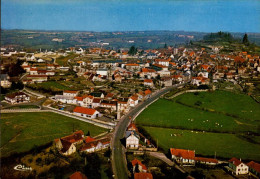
x: 148, y: 80
x: 75, y: 137
x: 89, y: 139
x: 134, y: 97
x: 135, y: 161
x: 143, y: 176
x: 146, y: 92
x: 132, y: 127
x: 78, y: 175
x: 83, y: 110
x: 186, y: 154
x: 235, y: 161
x: 146, y: 70
x: 79, y: 98
x: 210, y: 160
x: 254, y: 165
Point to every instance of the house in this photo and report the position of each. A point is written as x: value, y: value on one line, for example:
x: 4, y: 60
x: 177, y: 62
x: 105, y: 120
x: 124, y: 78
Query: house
x: 37, y: 78
x: 86, y: 112
x: 132, y: 140
x: 78, y: 175
x: 147, y: 93
x: 88, y: 100
x: 254, y: 168
x: 67, y: 145
x: 148, y: 73
x: 148, y: 82
x: 93, y: 145
x: 133, y: 100
x: 132, y: 67
x: 96, y: 102
x: 143, y: 176
x: 67, y: 99
x: 109, y: 104
x: 182, y: 156
x: 206, y: 161
x: 132, y: 127
x: 138, y: 163
x: 79, y: 100
x: 97, y: 94
x: 122, y: 104
x: 70, y: 93
x: 166, y: 81
x: 164, y: 62
x: 177, y: 78
x: 68, y: 148
x: 200, y: 81
x: 237, y: 167
x: 18, y: 97
x: 5, y: 83
x: 102, y: 72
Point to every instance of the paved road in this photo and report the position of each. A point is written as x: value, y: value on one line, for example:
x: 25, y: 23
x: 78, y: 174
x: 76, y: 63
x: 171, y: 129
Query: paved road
x: 118, y: 151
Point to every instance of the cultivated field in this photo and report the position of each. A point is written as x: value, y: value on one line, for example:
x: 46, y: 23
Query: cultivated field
x: 224, y: 122
x: 22, y: 131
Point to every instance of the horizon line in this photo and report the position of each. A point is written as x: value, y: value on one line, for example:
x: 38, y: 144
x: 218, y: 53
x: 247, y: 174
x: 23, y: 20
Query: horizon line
x: 127, y: 31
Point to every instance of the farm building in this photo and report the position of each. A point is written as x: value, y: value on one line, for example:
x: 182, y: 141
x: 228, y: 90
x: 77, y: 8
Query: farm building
x: 182, y: 156
x: 86, y: 112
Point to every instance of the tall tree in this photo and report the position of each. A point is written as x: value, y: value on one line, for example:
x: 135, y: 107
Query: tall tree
x: 245, y: 40
x: 132, y: 50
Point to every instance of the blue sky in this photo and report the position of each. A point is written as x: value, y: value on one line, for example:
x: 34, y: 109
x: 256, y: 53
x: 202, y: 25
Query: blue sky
x: 132, y: 15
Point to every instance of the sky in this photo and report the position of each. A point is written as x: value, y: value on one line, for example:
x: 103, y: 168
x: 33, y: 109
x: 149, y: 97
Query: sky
x: 132, y: 15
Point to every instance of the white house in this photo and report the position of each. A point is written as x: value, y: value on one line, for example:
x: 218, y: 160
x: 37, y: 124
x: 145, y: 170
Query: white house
x: 86, y: 112
x: 132, y: 140
x: 70, y: 93
x: 133, y: 100
x: 102, y: 72
x: 66, y: 99
x: 237, y: 166
x: 18, y: 97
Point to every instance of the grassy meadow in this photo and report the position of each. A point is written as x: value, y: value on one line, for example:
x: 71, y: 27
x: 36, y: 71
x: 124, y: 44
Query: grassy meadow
x: 220, y: 121
x: 20, y: 132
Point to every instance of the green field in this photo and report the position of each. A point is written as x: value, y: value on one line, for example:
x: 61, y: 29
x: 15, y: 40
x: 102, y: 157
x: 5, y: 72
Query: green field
x: 169, y: 114
x: 225, y: 145
x: 239, y: 105
x: 20, y: 132
x: 207, y: 121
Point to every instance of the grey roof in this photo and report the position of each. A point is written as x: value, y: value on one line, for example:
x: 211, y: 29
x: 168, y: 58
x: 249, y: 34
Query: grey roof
x: 128, y: 133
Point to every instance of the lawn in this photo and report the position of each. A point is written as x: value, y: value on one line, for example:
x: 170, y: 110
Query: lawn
x: 23, y: 107
x: 169, y: 114
x: 22, y: 131
x: 239, y: 105
x: 53, y: 85
x: 206, y: 144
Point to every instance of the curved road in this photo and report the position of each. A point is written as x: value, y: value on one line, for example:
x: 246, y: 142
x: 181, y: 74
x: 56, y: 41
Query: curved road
x: 119, y: 164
